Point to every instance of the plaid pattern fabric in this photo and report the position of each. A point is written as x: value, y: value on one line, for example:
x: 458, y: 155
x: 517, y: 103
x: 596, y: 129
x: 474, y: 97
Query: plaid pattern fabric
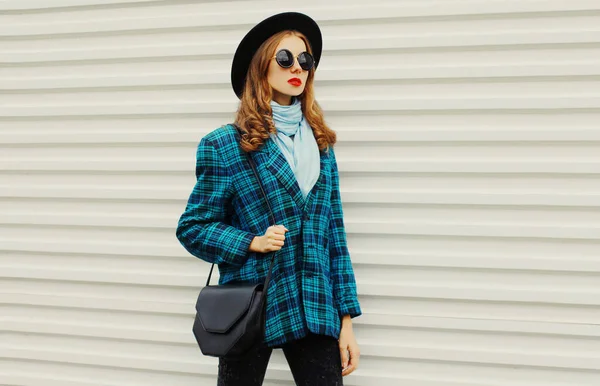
x: 312, y: 284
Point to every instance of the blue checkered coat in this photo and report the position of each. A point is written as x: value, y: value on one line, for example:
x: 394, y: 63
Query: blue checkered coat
x: 313, y: 283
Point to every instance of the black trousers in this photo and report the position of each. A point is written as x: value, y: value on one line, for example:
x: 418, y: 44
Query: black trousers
x: 314, y: 361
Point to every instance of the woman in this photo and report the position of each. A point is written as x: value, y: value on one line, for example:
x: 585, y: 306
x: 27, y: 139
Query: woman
x: 312, y: 296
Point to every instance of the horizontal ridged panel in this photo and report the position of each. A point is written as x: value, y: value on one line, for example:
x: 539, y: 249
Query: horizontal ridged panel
x: 469, y: 155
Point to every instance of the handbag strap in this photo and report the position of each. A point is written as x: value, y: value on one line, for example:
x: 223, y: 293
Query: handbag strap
x: 253, y: 166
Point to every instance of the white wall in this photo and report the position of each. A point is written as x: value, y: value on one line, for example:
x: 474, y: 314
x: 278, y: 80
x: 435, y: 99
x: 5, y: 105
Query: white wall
x: 469, y: 149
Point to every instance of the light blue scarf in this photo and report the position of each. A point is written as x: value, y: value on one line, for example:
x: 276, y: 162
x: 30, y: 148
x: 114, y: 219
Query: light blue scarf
x: 301, y: 152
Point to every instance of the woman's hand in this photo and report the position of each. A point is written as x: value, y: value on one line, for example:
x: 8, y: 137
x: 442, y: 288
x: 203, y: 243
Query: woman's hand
x: 272, y: 240
x: 348, y: 343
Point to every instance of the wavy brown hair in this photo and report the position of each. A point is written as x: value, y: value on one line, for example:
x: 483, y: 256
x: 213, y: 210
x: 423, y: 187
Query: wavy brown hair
x: 255, y: 116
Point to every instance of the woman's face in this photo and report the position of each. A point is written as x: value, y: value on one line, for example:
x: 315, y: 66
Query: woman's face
x: 287, y: 82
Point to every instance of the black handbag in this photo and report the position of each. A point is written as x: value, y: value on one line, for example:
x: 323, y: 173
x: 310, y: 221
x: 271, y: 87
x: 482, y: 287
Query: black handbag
x: 230, y: 318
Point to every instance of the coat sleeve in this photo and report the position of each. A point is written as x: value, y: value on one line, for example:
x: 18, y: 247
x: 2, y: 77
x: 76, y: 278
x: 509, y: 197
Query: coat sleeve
x: 344, y: 283
x: 203, y: 228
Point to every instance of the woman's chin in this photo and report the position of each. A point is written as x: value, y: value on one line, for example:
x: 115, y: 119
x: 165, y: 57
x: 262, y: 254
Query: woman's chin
x: 285, y: 91
x: 295, y: 91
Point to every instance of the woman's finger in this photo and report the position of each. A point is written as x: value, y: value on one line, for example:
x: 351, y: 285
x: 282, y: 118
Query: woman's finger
x: 349, y: 369
x: 353, y: 361
x: 344, y: 356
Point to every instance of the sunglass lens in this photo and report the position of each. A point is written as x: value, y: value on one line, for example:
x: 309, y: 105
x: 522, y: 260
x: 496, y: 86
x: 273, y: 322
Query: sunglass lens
x: 306, y: 61
x: 284, y: 58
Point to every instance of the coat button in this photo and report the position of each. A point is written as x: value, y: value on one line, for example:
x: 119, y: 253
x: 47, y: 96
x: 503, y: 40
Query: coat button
x: 306, y: 217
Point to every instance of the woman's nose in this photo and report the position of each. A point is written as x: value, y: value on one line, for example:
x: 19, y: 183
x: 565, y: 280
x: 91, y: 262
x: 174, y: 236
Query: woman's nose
x: 296, y: 67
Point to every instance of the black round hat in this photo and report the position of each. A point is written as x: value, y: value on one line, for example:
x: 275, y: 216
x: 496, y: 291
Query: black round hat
x: 264, y: 30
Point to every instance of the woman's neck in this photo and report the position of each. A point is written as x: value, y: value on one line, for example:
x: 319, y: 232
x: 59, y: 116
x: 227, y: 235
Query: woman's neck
x: 282, y: 99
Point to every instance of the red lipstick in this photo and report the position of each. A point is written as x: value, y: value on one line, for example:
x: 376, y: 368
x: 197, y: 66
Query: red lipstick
x: 295, y: 82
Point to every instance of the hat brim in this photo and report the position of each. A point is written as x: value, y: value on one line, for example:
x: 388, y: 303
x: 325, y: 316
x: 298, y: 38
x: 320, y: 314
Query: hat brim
x: 264, y: 30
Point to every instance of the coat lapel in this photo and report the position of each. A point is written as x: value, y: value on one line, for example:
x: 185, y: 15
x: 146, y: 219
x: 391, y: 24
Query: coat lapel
x: 325, y: 169
x: 273, y: 161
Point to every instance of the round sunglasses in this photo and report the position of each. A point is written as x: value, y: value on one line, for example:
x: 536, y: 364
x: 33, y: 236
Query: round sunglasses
x: 285, y: 59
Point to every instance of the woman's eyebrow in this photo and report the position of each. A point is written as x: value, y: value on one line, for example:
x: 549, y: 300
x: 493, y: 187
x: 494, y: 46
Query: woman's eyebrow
x: 296, y: 53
